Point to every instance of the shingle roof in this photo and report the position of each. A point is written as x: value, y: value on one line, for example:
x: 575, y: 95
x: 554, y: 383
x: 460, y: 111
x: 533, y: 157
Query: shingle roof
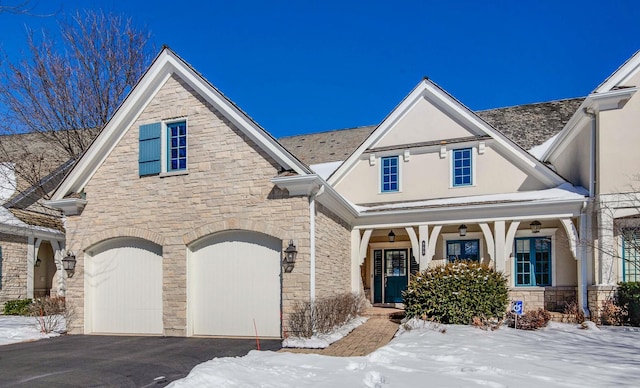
x: 527, y: 125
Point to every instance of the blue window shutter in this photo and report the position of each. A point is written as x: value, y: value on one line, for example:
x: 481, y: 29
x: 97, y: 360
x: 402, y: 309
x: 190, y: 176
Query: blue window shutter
x: 149, y: 153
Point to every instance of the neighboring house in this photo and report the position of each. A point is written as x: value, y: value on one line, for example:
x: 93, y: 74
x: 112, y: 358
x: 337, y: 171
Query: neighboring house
x: 598, y: 150
x: 31, y: 234
x: 180, y: 211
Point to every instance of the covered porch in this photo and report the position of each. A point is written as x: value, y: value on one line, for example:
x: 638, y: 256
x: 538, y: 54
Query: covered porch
x: 539, y: 254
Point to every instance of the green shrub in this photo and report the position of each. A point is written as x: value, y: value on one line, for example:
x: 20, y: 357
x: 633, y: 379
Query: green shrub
x: 17, y: 307
x: 456, y: 293
x: 629, y: 301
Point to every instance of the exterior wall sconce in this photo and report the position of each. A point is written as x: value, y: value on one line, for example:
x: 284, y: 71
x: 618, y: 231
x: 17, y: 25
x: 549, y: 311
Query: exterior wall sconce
x: 37, y: 263
x: 392, y: 236
x: 535, y: 226
x: 462, y: 229
x: 69, y: 264
x: 289, y: 257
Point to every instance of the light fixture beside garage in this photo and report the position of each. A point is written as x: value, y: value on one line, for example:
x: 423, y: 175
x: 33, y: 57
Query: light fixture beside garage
x: 69, y: 263
x: 289, y: 257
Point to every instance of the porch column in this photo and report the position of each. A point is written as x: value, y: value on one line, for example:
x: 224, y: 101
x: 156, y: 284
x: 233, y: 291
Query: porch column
x: 606, y: 248
x: 31, y: 261
x: 423, y: 236
x: 61, y: 275
x: 356, y: 260
x: 508, y: 250
x: 500, y: 243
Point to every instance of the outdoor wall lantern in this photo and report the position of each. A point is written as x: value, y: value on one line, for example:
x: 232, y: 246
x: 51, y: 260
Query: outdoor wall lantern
x: 462, y: 229
x: 38, y: 262
x: 69, y: 263
x: 289, y: 257
x: 392, y: 236
x: 535, y: 226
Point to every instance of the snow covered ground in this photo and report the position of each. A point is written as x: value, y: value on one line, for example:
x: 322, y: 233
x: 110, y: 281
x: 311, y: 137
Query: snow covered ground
x: 561, y: 355
x: 19, y: 329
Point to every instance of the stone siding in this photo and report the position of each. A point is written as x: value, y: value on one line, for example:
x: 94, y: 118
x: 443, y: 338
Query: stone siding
x: 333, y: 258
x: 13, y: 268
x: 596, y: 296
x: 548, y: 298
x: 227, y: 187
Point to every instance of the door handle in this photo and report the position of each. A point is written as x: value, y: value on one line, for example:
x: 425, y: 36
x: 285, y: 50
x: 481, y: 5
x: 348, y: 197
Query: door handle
x: 386, y: 279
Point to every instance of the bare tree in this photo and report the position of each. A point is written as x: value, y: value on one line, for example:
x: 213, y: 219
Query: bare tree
x: 58, y: 98
x: 23, y: 7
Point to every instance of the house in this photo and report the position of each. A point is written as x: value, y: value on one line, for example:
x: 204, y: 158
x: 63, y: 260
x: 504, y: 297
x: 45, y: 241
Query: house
x: 31, y: 234
x: 180, y: 212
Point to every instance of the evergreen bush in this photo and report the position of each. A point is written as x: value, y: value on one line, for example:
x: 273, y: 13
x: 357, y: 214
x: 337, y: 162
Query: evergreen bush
x: 629, y: 301
x: 456, y: 293
x: 17, y: 307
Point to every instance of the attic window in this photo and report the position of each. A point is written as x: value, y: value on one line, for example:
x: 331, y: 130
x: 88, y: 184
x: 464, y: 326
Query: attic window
x: 462, y: 167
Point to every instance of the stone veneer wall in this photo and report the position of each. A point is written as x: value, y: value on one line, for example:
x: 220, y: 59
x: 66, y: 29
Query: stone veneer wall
x: 227, y: 187
x: 548, y: 298
x: 333, y: 256
x: 13, y: 268
x: 596, y: 296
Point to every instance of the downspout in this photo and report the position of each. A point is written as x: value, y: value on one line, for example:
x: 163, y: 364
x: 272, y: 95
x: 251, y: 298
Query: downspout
x: 583, y: 295
x: 592, y: 152
x: 312, y: 258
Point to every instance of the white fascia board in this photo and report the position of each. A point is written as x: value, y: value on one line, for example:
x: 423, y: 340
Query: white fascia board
x: 163, y: 67
x: 595, y: 101
x: 623, y: 73
x: 474, y: 213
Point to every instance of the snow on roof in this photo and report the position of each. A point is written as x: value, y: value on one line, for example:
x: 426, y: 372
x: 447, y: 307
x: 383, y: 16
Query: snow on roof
x: 565, y: 191
x: 325, y: 169
x: 539, y: 150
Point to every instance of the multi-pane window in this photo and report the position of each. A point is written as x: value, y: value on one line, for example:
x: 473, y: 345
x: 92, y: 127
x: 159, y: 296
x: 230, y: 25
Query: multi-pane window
x: 389, y: 174
x: 463, y: 250
x: 462, y: 174
x: 631, y: 255
x: 533, y: 261
x: 177, y: 146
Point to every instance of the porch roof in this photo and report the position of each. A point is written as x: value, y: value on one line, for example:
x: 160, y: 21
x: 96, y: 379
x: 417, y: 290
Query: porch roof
x: 563, y: 192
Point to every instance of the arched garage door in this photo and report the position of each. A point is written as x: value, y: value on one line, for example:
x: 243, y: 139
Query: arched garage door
x: 234, y: 282
x: 123, y: 283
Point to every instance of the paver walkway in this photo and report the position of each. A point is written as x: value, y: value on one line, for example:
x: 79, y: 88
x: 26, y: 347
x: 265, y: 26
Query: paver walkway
x: 371, y: 335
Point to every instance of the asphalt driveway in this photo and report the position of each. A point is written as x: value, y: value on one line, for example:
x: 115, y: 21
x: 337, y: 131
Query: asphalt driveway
x: 113, y: 361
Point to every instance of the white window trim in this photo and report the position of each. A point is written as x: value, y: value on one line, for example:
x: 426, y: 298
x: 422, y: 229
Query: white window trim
x: 379, y: 172
x: 446, y: 237
x: 474, y: 156
x: 546, y: 232
x: 164, y: 171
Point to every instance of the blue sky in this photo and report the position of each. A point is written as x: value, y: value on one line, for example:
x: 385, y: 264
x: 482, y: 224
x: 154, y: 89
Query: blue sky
x: 308, y: 66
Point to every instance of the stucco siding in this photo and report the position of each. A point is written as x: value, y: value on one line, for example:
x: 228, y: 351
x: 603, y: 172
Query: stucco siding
x: 618, y: 139
x: 423, y: 122
x: 227, y: 187
x: 427, y: 176
x: 573, y: 162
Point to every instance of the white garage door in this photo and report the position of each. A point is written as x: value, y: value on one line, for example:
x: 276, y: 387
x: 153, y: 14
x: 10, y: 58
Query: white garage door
x: 234, y: 285
x: 123, y: 281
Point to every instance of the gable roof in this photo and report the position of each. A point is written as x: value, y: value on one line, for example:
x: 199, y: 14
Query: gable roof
x: 456, y: 110
x: 164, y: 66
x: 527, y: 125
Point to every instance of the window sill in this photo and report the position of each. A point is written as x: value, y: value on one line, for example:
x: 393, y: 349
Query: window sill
x: 174, y: 173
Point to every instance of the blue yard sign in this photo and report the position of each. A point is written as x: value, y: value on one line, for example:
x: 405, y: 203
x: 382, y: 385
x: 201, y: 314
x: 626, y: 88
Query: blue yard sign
x: 517, y: 307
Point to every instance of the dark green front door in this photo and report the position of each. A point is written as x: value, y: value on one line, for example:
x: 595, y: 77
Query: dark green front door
x: 395, y: 271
